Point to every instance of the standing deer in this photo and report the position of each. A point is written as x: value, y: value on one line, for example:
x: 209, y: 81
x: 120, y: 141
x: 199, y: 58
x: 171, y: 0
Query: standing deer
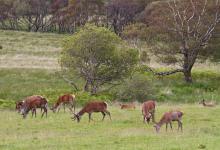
x: 128, y: 106
x: 94, y: 106
x: 32, y: 103
x: 64, y: 100
x: 206, y: 104
x: 167, y: 118
x: 148, y: 111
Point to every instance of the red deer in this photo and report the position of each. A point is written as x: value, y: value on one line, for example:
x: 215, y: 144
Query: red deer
x: 63, y: 100
x: 94, y: 106
x: 148, y: 111
x: 18, y: 106
x: 127, y: 106
x: 32, y: 103
x: 167, y: 118
x: 206, y: 104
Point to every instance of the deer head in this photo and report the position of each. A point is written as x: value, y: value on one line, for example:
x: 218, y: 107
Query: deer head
x: 76, y: 117
x: 147, y: 118
x: 157, y: 128
x: 53, y: 108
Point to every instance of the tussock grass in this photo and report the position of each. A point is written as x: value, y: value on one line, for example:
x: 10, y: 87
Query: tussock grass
x: 125, y: 131
x: 29, y: 49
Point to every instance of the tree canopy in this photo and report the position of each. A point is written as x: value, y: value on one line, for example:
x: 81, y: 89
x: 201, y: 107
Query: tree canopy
x: 98, y: 56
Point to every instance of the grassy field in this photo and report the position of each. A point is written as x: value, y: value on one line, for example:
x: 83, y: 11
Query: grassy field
x: 29, y: 50
x: 29, y: 66
x: 126, y: 131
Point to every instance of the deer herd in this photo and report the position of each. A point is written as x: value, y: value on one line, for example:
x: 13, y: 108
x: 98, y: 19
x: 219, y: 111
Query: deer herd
x: 148, y: 108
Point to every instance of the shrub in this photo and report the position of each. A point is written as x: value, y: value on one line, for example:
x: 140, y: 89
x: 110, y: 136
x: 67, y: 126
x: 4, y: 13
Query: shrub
x: 138, y: 88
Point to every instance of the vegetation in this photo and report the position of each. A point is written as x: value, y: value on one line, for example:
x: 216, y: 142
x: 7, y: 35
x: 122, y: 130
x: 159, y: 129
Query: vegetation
x: 112, y: 55
x: 125, y: 131
x: 16, y: 84
x: 98, y: 56
x: 179, y: 32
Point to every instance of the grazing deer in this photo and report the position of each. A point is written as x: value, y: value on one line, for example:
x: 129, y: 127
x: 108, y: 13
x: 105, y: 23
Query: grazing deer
x: 18, y: 106
x: 63, y: 100
x: 32, y: 103
x: 167, y: 118
x: 206, y: 104
x: 128, y: 106
x: 148, y: 111
x: 94, y: 106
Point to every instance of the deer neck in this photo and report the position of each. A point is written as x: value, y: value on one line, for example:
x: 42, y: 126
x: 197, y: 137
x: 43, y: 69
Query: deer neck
x: 81, y: 112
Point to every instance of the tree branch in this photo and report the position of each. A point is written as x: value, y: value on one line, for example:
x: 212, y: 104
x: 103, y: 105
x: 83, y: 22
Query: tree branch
x: 166, y: 73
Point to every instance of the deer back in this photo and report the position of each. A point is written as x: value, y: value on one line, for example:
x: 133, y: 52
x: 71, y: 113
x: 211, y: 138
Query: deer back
x: 148, y: 106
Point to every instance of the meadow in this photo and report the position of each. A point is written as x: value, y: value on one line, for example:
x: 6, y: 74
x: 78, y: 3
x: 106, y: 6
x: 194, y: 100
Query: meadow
x: 126, y: 131
x: 29, y: 65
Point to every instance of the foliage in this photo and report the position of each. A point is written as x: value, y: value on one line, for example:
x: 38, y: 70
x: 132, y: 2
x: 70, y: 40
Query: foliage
x: 94, y: 54
x: 183, y: 31
x: 138, y: 88
x: 15, y: 85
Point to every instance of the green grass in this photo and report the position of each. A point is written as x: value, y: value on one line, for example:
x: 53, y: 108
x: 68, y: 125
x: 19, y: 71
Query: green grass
x: 16, y: 84
x: 126, y: 131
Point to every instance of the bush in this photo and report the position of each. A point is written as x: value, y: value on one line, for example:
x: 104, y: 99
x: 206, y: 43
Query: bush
x: 1, y: 47
x: 138, y: 88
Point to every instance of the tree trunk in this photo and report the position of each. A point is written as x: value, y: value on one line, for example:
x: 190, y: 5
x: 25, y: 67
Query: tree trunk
x: 188, y: 76
x: 94, y: 89
x: 86, y: 87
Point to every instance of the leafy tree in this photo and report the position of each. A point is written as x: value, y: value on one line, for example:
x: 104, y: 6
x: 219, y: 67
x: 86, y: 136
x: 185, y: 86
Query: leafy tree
x: 182, y: 31
x: 98, y: 56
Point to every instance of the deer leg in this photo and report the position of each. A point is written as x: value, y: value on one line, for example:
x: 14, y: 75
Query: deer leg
x: 103, y: 114
x: 171, y: 126
x: 35, y: 112
x: 153, y: 117
x: 45, y: 111
x: 32, y: 113
x: 58, y: 110
x: 64, y: 107
x: 144, y: 119
x: 180, y: 125
x: 71, y: 108
x: 109, y: 114
x: 166, y: 127
x: 74, y: 107
x: 90, y: 114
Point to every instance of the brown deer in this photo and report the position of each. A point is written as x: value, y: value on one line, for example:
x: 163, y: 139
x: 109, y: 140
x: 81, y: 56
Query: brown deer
x: 94, y: 106
x: 148, y: 111
x: 167, y: 118
x: 18, y: 105
x: 32, y: 103
x: 128, y: 106
x: 64, y: 100
x: 206, y: 104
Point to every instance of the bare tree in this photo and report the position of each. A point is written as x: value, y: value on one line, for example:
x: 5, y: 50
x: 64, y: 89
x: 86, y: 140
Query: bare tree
x: 187, y: 27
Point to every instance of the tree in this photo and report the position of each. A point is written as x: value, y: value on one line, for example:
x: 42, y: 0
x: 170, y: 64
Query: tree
x: 122, y: 12
x: 98, y: 56
x: 182, y: 31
